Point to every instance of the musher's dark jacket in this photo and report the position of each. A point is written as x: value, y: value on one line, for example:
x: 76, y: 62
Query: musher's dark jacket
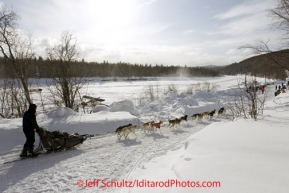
x: 29, y: 121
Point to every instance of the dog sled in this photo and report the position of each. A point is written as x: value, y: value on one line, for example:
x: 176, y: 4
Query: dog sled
x: 55, y: 140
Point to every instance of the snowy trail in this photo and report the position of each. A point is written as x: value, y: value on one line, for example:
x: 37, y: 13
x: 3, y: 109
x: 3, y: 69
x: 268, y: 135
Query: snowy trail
x: 97, y: 158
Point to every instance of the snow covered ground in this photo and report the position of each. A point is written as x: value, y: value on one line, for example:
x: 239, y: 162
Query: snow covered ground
x: 240, y: 156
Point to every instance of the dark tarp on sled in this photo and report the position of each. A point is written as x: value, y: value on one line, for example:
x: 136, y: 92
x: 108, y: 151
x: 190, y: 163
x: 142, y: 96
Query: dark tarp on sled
x: 56, y: 140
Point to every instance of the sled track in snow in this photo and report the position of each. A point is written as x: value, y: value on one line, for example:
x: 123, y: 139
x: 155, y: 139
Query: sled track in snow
x: 104, y: 158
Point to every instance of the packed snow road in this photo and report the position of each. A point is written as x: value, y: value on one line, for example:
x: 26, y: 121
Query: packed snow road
x: 103, y: 157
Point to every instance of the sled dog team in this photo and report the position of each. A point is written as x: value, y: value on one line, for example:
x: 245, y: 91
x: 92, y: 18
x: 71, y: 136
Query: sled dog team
x: 208, y: 114
x: 152, y: 126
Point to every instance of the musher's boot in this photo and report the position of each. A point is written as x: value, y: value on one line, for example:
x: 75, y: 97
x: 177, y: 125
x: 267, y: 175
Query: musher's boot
x: 33, y: 154
x: 24, y: 152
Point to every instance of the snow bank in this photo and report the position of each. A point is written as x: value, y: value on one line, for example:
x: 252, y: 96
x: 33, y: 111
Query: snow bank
x: 61, y: 112
x: 95, y: 123
x: 244, y: 156
x: 202, y: 107
x: 99, y: 108
x: 124, y: 105
x: 174, y: 106
x: 205, y: 95
x: 102, y: 122
x: 172, y: 95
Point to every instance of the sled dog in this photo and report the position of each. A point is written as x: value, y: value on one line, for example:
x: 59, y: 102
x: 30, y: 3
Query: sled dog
x: 222, y: 111
x: 155, y: 126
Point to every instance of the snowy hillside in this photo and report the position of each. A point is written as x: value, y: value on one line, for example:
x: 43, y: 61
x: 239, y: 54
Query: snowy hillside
x: 240, y: 156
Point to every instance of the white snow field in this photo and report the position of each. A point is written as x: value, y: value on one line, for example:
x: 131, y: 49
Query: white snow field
x: 213, y: 155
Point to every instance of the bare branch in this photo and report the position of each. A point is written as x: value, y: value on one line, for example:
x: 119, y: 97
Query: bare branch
x: 16, y: 50
x: 67, y: 81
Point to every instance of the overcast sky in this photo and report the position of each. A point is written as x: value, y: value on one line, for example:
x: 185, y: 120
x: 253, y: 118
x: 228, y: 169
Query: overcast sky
x: 168, y: 32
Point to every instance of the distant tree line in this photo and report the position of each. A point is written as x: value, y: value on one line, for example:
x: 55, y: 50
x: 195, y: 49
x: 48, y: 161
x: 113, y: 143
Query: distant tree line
x: 263, y: 65
x: 40, y: 68
x: 277, y: 58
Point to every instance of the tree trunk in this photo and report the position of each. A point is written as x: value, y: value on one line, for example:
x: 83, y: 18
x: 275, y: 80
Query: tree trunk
x: 24, y: 82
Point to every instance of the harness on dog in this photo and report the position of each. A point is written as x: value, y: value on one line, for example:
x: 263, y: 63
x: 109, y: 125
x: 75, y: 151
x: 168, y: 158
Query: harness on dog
x: 158, y: 125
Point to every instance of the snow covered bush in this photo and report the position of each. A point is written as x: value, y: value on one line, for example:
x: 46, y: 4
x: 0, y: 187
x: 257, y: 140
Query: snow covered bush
x: 204, y: 86
x: 190, y: 89
x: 209, y: 87
x: 150, y: 94
x: 170, y: 88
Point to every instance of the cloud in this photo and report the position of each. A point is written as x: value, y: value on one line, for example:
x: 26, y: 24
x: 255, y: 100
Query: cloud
x: 247, y: 8
x: 249, y: 18
x: 189, y: 31
x: 143, y: 32
x: 153, y: 28
x: 232, y: 52
x: 245, y: 25
x: 148, y: 2
x: 194, y: 51
x: 44, y: 42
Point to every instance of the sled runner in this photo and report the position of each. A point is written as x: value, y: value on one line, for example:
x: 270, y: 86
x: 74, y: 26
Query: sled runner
x: 56, y: 140
x: 41, y: 153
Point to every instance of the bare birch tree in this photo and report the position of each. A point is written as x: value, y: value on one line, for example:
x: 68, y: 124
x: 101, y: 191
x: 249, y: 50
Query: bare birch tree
x: 68, y: 77
x: 248, y: 102
x: 16, y: 49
